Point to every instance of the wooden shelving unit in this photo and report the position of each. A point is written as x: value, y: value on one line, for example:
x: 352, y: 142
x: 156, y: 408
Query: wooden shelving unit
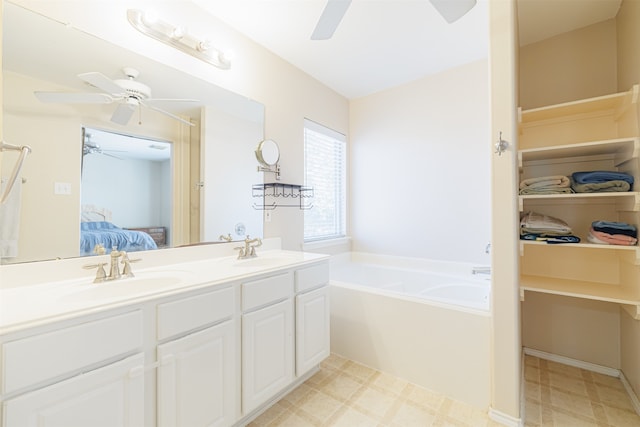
x: 599, y: 133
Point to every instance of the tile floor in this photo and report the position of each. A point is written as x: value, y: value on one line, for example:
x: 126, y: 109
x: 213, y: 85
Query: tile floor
x: 561, y: 395
x: 346, y: 394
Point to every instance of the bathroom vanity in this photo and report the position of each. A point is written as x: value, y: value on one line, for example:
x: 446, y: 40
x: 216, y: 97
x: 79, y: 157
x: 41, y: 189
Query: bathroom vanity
x: 211, y: 342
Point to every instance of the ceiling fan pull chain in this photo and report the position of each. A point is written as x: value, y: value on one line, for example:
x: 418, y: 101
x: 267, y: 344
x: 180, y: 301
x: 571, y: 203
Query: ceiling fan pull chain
x: 139, y: 114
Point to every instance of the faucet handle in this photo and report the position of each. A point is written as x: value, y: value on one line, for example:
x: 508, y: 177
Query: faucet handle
x: 241, y: 251
x: 99, y: 249
x: 126, y: 270
x: 101, y: 275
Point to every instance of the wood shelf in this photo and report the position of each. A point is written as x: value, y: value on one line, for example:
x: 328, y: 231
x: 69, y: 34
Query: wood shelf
x: 584, y: 106
x: 620, y: 149
x: 580, y: 289
x: 625, y: 201
x: 599, y: 133
x: 593, y: 246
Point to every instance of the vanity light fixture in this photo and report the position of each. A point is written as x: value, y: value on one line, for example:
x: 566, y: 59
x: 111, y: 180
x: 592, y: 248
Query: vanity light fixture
x: 178, y: 37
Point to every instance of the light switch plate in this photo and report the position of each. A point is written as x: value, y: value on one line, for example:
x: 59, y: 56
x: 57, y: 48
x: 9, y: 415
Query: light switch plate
x: 62, y: 188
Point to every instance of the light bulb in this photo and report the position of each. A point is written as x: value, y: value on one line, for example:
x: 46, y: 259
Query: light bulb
x: 177, y: 33
x: 204, y: 45
x: 149, y: 18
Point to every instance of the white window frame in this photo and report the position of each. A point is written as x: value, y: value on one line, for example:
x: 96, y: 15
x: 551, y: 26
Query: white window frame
x: 340, y: 218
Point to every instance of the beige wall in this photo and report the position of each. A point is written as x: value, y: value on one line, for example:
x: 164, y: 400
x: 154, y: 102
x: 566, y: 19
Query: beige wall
x: 506, y: 360
x: 628, y: 37
x: 570, y: 66
x: 412, y: 147
x: 628, y: 48
x: 630, y: 349
x: 289, y: 95
x: 572, y: 327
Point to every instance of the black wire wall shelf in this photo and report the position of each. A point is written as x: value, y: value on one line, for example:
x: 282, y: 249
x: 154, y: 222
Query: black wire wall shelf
x: 274, y: 190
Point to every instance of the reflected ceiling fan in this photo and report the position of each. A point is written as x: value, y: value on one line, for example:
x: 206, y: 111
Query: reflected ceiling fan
x: 128, y: 93
x: 90, y: 147
x: 451, y: 11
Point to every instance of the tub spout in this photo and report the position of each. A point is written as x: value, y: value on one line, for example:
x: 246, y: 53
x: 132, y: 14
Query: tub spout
x: 481, y: 270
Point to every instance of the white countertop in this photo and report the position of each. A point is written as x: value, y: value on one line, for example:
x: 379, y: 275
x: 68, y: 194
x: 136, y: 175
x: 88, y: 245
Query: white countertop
x: 36, y: 303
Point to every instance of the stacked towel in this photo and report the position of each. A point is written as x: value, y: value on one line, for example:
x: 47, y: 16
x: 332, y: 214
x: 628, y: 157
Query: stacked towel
x: 613, y: 233
x: 555, y: 184
x: 535, y: 226
x: 600, y: 181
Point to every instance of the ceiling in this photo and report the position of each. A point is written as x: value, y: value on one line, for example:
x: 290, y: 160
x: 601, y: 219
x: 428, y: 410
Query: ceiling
x: 385, y: 43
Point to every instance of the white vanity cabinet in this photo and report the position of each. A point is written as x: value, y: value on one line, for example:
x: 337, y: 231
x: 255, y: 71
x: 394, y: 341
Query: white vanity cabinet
x: 84, y: 375
x: 196, y: 383
x: 312, y: 317
x: 267, y: 339
x: 211, y: 354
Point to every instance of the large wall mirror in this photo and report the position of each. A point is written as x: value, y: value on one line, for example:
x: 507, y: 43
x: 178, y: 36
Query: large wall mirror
x: 206, y: 179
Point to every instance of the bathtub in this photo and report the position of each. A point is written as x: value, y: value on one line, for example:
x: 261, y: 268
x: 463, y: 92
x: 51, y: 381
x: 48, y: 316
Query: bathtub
x: 425, y: 321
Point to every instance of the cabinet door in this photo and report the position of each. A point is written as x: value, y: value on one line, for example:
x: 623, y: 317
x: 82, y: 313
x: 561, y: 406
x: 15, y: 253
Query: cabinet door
x: 312, y: 329
x: 196, y: 382
x: 267, y: 353
x: 105, y: 397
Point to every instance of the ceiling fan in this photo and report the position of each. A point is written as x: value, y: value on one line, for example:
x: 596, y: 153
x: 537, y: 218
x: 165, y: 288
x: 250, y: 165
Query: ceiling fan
x: 451, y: 11
x: 90, y: 147
x: 128, y: 93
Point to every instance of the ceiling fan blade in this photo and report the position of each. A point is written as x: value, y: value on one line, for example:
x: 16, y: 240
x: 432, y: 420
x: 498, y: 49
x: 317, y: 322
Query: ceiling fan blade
x: 330, y: 19
x: 161, y: 100
x: 73, y: 98
x: 452, y: 10
x: 111, y: 155
x: 166, y: 113
x: 123, y: 114
x: 102, y: 82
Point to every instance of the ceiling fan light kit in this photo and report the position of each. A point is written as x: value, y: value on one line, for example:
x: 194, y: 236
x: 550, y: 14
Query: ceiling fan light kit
x: 178, y: 37
x: 128, y: 93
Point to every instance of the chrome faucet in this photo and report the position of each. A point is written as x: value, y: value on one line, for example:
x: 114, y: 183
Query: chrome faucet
x: 249, y: 248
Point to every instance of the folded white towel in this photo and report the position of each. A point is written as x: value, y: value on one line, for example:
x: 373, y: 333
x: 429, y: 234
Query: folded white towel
x: 555, y: 181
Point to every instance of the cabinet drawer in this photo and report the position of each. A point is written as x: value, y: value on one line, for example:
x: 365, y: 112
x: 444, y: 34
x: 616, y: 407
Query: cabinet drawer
x: 261, y: 292
x: 312, y: 277
x: 186, y: 314
x: 39, y: 358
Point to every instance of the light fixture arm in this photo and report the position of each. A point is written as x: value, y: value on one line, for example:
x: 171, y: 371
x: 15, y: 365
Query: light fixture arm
x: 179, y: 38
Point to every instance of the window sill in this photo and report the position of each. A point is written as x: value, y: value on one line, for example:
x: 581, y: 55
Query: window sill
x: 320, y: 244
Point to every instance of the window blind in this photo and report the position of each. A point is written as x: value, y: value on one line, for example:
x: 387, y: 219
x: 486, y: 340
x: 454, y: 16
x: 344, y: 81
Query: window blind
x: 325, y: 171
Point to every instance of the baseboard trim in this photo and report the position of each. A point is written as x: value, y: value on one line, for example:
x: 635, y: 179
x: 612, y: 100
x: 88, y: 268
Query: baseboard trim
x: 632, y: 394
x: 605, y: 370
x: 504, y: 419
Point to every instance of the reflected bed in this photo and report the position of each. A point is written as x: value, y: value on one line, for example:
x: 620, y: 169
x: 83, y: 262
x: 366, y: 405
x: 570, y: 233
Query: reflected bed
x: 109, y: 235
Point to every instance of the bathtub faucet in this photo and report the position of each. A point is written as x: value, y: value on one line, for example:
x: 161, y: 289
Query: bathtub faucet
x: 480, y: 270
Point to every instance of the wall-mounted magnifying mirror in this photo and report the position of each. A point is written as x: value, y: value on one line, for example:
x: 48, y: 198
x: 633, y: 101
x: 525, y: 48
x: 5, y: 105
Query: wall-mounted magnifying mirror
x: 268, y: 155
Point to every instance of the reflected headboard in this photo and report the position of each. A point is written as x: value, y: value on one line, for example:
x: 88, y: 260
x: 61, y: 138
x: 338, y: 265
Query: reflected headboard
x: 91, y: 213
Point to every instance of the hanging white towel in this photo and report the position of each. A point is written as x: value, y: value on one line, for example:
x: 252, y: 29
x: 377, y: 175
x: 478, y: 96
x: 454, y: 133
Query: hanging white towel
x: 10, y: 220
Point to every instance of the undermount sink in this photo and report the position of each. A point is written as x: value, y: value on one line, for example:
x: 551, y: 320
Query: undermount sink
x: 142, y: 282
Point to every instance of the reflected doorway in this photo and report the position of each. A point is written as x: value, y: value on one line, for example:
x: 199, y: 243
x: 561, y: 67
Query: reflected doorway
x: 127, y: 184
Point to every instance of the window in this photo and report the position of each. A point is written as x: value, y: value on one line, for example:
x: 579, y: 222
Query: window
x: 325, y: 171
